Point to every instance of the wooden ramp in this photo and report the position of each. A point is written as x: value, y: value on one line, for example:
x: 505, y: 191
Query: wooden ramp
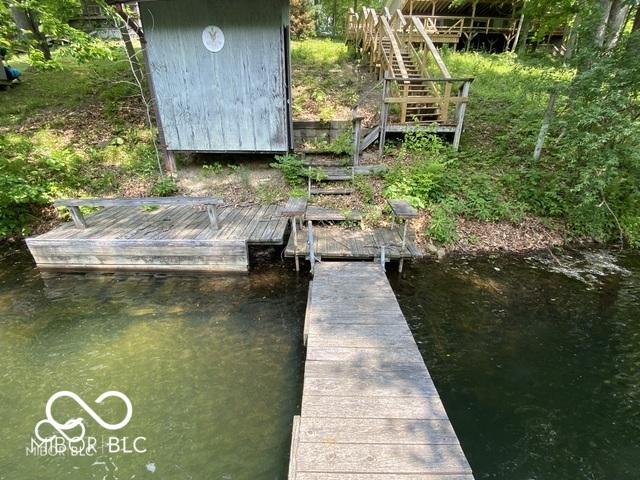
x: 369, y: 408
x: 177, y: 238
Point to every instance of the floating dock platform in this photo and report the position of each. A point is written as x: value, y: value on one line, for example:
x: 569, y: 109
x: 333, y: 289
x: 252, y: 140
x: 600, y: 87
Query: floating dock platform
x: 174, y: 238
x: 370, y: 410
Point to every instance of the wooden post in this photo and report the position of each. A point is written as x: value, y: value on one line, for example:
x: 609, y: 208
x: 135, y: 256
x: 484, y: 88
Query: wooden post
x: 403, y: 107
x: 546, y: 122
x: 295, y: 243
x: 473, y: 16
x: 311, y: 245
x: 78, y: 218
x: 384, y: 113
x: 460, y: 111
x: 517, y: 39
x: 404, y: 243
x: 213, y: 216
x: 444, y: 104
x: 357, y: 131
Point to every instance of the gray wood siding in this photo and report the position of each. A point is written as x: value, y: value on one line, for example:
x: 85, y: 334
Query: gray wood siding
x: 234, y: 100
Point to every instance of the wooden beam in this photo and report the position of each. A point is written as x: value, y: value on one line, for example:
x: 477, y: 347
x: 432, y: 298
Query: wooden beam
x: 431, y: 47
x: 460, y: 112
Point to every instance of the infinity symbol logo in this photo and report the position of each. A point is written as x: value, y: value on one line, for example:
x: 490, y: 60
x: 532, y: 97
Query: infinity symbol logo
x: 72, y: 423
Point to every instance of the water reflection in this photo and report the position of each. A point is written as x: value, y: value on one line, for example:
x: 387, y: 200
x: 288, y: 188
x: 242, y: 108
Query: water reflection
x: 212, y: 366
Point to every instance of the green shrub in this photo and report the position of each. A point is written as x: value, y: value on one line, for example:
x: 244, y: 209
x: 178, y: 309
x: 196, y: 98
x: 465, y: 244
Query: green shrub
x: 212, y: 169
x: 417, y: 183
x: 294, y: 170
x: 31, y: 175
x: 442, y: 228
x: 363, y: 185
x: 164, y: 187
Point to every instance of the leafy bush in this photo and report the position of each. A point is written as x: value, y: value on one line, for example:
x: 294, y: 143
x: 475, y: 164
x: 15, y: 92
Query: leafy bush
x: 294, y: 170
x: 417, y: 183
x: 31, y: 175
x: 164, y: 187
x: 363, y: 185
x: 443, y: 225
x: 212, y: 169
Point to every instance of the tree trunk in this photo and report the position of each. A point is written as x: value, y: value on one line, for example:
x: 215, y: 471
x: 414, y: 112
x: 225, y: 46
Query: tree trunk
x: 131, y: 52
x: 600, y: 29
x: 617, y: 20
x: 636, y: 21
x: 572, y: 40
x: 27, y: 19
x: 335, y: 18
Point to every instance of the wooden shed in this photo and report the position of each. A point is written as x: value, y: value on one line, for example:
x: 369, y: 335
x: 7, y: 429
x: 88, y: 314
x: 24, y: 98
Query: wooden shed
x: 220, y: 73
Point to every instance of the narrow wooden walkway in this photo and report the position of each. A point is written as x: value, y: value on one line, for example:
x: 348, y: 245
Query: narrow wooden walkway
x: 370, y: 410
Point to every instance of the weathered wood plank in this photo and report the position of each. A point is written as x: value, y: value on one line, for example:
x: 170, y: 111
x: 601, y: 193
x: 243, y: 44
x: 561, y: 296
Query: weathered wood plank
x: 295, y: 207
x: 136, y: 202
x: 376, y: 430
x: 402, y: 209
x: 378, y: 476
x: 376, y: 458
x: 321, y: 406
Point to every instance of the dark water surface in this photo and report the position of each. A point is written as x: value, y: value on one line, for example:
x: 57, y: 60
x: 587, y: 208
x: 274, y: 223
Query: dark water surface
x: 212, y: 366
x: 537, y: 362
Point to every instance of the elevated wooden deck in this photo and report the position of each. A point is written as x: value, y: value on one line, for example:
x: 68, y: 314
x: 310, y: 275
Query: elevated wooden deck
x: 166, y: 238
x: 370, y: 410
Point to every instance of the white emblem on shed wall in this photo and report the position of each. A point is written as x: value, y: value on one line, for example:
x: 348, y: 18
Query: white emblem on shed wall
x: 213, y: 38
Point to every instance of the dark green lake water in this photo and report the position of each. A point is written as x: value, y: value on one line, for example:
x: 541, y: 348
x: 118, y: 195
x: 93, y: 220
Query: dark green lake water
x: 537, y: 362
x: 212, y: 366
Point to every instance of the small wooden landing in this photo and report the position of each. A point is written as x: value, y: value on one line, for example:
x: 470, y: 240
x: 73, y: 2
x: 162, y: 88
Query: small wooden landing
x: 341, y: 243
x: 175, y: 238
x: 370, y: 410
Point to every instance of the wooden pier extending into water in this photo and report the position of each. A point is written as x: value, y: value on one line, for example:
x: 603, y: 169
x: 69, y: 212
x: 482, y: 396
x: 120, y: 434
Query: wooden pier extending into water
x: 370, y: 410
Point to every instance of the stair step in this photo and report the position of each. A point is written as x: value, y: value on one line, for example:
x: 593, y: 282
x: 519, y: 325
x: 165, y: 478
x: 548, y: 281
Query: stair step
x: 336, y: 174
x: 332, y: 191
x: 320, y: 214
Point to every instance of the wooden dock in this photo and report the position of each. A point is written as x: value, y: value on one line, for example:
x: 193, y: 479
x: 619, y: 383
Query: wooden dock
x: 176, y: 238
x: 341, y: 243
x: 370, y: 410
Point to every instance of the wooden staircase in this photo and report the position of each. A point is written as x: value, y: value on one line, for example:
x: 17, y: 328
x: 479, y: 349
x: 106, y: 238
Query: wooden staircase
x: 418, y: 92
x: 428, y: 112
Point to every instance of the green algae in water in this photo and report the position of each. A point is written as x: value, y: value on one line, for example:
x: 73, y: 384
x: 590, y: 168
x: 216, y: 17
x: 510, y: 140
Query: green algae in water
x: 212, y: 366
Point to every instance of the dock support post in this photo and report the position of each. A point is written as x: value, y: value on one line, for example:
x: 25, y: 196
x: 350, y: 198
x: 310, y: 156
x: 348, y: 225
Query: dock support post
x: 295, y: 243
x: 213, y: 216
x: 311, y: 245
x: 404, y: 243
x: 460, y: 111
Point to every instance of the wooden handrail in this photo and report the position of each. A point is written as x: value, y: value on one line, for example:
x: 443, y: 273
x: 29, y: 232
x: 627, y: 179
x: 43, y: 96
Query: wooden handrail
x: 394, y: 45
x: 432, y: 48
